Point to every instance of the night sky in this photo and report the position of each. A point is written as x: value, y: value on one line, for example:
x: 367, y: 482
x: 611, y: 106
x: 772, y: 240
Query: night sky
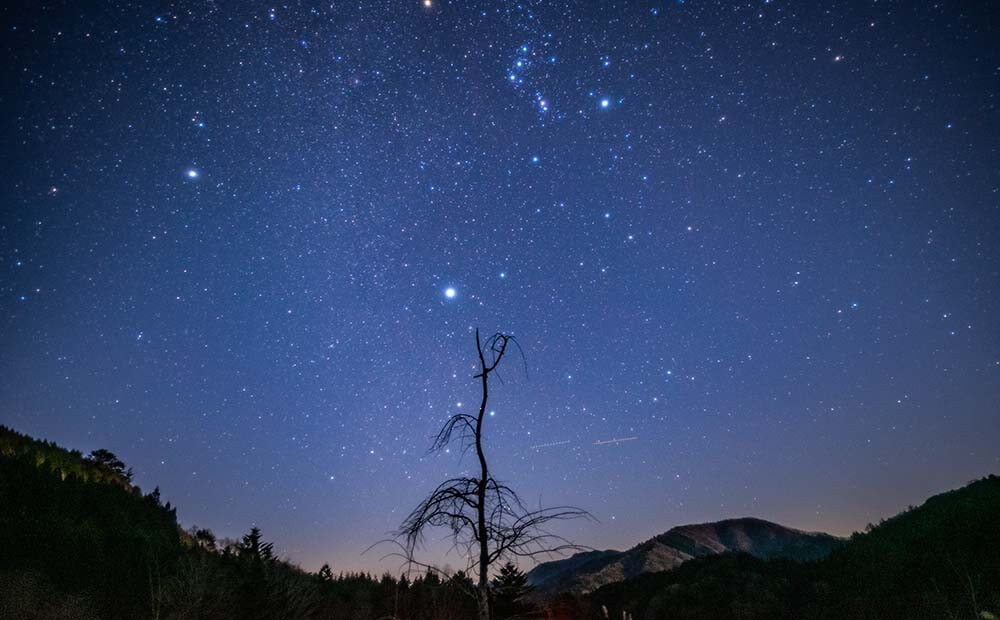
x: 244, y: 247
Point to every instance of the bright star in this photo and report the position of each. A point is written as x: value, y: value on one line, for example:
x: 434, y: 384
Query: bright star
x: 191, y: 173
x: 605, y: 103
x: 450, y: 292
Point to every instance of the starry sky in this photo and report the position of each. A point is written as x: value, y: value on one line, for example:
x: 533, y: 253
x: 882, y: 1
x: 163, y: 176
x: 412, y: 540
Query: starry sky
x: 751, y: 252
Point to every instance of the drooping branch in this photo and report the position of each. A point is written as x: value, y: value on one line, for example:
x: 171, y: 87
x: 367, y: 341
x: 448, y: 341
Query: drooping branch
x: 512, y: 530
x: 460, y: 426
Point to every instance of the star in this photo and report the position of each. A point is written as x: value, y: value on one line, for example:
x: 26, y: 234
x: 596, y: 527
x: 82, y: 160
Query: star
x: 605, y: 102
x: 450, y: 292
x: 192, y: 173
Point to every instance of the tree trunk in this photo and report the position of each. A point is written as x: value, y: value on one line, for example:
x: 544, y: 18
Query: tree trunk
x: 483, y: 534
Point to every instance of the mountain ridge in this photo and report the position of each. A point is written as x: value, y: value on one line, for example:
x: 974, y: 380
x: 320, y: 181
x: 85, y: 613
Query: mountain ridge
x: 589, y: 570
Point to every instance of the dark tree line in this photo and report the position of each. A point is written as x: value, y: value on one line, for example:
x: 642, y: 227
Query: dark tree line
x: 78, y: 542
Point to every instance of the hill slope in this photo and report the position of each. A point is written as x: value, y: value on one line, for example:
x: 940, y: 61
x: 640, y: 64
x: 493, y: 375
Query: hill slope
x: 76, y: 532
x: 79, y: 541
x: 585, y: 572
x: 941, y: 560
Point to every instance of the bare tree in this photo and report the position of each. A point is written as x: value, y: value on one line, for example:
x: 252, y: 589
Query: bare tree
x: 487, y: 521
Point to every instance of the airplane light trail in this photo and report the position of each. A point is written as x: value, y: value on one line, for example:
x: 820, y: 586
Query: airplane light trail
x: 550, y: 445
x: 599, y: 442
x: 616, y: 440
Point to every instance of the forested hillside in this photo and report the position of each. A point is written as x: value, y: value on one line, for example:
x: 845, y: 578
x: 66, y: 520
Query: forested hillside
x: 80, y: 541
x: 941, y: 560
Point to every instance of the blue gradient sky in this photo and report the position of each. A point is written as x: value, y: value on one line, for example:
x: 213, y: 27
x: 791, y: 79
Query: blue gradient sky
x: 762, y: 238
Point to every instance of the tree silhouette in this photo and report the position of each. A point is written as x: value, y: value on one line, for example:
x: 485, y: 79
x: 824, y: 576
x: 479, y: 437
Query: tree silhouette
x: 487, y: 521
x: 205, y: 538
x: 509, y: 587
x: 256, y: 558
x: 108, y: 459
x: 254, y: 550
x: 325, y: 574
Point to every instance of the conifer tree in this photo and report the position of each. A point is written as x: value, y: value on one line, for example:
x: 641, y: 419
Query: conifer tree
x: 509, y: 587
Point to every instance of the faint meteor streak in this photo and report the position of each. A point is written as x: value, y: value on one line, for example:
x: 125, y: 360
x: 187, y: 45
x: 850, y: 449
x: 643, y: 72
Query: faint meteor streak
x: 550, y: 445
x: 616, y: 440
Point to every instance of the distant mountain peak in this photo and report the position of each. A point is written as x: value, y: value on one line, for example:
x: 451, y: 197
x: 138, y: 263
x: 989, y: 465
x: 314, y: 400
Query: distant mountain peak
x: 587, y: 571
